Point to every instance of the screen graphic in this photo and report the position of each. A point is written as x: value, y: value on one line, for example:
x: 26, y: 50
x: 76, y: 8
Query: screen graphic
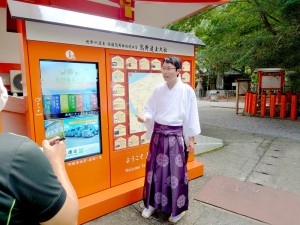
x: 71, y: 105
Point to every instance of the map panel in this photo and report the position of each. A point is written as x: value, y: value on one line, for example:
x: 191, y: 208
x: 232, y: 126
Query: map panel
x: 140, y: 88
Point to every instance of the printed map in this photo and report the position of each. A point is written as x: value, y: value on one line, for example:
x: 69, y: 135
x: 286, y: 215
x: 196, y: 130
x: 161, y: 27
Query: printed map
x: 140, y: 88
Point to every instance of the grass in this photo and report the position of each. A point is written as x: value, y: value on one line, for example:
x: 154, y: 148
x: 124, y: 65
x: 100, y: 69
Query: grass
x: 213, y: 150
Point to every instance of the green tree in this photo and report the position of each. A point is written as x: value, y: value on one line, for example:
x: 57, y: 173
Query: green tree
x: 247, y: 34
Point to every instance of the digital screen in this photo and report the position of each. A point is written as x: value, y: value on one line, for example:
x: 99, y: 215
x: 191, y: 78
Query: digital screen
x: 71, y: 105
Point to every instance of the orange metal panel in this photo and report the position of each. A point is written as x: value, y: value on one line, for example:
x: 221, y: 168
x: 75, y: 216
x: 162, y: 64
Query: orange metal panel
x: 90, y: 174
x: 195, y: 169
x: 30, y: 126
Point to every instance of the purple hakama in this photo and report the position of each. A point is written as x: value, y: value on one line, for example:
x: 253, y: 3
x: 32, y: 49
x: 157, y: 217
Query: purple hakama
x: 166, y: 179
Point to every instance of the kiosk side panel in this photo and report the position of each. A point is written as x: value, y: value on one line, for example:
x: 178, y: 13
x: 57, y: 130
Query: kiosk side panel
x: 69, y: 99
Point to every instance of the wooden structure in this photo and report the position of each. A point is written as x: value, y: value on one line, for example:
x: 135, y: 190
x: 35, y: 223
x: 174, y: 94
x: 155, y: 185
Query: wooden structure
x: 242, y: 87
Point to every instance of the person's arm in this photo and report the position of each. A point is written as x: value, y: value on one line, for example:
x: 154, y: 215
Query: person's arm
x: 148, y: 116
x: 192, y: 125
x: 141, y: 119
x: 148, y: 110
x: 191, y: 145
x: 68, y: 214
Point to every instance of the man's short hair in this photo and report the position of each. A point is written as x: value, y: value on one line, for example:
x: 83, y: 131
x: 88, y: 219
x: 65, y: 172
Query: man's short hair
x: 174, y: 60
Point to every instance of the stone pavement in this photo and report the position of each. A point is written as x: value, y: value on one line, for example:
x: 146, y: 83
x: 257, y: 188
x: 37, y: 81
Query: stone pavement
x: 253, y: 156
x: 205, y: 143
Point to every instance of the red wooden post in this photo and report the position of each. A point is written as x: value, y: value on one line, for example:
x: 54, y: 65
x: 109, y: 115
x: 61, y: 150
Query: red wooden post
x: 254, y: 102
x: 289, y: 96
x: 269, y: 96
x: 272, y: 105
x: 250, y: 103
x: 263, y: 103
x: 278, y: 97
x: 293, y: 115
x: 246, y: 102
x: 283, y: 106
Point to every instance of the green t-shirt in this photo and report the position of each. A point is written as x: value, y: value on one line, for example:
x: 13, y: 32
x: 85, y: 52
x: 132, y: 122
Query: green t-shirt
x: 29, y: 190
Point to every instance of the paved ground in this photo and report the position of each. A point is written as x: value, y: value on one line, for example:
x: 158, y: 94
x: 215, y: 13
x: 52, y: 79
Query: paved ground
x: 260, y: 150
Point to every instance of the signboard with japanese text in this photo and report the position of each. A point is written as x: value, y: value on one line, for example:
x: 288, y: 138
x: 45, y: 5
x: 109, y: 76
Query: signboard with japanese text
x: 70, y: 35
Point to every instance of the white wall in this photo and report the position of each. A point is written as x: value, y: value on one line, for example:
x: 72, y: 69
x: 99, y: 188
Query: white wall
x: 9, y: 47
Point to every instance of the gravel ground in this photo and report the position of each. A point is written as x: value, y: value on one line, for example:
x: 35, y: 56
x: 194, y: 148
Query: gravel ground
x: 225, y: 116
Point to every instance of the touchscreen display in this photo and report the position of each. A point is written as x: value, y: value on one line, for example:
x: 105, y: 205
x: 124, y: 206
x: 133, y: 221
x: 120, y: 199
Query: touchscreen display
x: 71, y: 105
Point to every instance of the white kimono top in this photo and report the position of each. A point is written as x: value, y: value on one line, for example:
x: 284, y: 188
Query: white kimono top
x: 175, y: 107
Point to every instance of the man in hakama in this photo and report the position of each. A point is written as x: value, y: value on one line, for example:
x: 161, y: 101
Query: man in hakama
x: 172, y: 121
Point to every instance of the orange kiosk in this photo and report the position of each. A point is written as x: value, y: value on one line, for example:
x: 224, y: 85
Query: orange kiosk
x: 85, y: 77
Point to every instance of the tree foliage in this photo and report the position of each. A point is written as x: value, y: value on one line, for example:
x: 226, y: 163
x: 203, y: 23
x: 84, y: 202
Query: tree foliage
x: 244, y: 35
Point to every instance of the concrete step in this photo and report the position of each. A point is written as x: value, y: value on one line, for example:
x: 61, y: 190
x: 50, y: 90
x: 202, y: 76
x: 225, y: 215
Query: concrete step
x: 206, y: 144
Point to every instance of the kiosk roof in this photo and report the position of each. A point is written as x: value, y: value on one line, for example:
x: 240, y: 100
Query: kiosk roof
x: 45, y: 14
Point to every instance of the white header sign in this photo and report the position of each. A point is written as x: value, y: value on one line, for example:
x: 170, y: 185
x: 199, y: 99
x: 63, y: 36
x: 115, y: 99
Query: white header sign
x: 70, y: 35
